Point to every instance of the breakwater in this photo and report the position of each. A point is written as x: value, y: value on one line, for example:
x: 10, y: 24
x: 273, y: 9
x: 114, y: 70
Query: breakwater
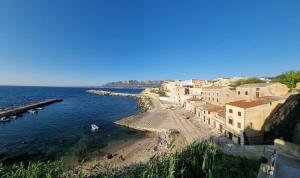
x: 144, y: 102
x: 24, y: 108
x: 108, y: 93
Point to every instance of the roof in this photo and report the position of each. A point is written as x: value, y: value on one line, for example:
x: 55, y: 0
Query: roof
x: 246, y: 104
x: 256, y: 85
x: 217, y: 109
x: 215, y: 87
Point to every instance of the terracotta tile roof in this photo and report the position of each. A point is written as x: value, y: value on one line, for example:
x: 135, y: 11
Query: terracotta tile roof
x: 246, y: 104
x: 217, y: 109
x: 222, y: 113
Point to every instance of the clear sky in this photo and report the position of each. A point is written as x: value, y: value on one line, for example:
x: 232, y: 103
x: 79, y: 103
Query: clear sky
x: 89, y: 42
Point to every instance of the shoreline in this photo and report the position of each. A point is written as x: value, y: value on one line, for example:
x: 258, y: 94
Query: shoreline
x: 167, y: 131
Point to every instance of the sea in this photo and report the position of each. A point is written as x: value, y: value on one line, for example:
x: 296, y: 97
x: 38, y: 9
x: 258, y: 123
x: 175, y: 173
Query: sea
x: 62, y: 131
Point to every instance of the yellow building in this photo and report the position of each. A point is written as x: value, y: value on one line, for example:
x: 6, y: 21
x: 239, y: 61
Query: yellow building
x: 245, y: 119
x: 218, y: 95
x: 258, y: 90
x: 212, y: 115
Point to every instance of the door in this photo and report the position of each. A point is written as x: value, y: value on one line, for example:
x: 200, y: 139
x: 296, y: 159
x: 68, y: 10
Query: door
x: 230, y: 135
x: 257, y: 94
x: 221, y: 128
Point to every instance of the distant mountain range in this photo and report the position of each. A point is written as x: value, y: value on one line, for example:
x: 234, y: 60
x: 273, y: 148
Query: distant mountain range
x: 133, y: 84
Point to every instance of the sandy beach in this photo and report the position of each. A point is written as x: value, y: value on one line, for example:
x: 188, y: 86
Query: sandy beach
x: 168, y: 130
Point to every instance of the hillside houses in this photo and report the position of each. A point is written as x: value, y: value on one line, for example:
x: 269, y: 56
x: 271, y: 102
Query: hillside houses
x: 237, y: 113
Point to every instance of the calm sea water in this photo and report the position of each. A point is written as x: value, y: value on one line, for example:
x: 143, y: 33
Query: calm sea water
x: 63, y: 129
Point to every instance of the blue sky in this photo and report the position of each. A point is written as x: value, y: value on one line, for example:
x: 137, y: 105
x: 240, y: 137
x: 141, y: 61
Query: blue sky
x: 63, y: 42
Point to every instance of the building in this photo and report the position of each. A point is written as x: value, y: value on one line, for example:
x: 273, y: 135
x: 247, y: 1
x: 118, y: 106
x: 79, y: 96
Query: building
x: 211, y: 115
x: 245, y: 119
x: 258, y: 90
x: 218, y: 95
x: 166, y: 85
x: 193, y: 83
x: 298, y: 86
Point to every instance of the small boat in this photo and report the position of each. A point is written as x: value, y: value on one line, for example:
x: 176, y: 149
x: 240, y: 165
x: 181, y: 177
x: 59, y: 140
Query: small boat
x: 94, y: 127
x: 13, y: 117
x: 4, y: 119
x: 32, y: 111
x: 39, y: 108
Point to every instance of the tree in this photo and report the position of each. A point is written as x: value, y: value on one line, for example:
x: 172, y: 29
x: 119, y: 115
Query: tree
x: 289, y: 78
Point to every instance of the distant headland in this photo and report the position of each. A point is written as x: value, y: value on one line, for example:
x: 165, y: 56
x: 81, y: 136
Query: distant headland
x: 133, y: 84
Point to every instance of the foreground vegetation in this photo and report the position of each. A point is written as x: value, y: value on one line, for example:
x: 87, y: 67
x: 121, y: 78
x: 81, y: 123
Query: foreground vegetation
x: 201, y: 159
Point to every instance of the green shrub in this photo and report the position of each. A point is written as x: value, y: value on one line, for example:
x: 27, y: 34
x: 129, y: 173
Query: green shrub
x: 246, y: 81
x: 288, y: 78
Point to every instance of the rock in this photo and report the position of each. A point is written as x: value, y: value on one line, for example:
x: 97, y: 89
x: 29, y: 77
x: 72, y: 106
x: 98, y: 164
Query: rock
x: 109, y: 156
x: 122, y: 158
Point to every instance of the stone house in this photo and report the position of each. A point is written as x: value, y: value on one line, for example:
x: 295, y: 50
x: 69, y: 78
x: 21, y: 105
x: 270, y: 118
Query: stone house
x: 245, y: 119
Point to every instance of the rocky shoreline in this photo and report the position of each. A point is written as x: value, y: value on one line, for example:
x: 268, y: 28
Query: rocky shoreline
x: 144, y: 102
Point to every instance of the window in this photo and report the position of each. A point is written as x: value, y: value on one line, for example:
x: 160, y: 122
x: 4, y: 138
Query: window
x: 246, y: 92
x: 251, y: 125
x: 239, y: 114
x: 212, y: 99
x: 239, y: 92
x: 208, y: 112
x: 230, y: 121
x: 239, y: 125
x: 230, y: 110
x: 217, y: 100
x: 257, y: 89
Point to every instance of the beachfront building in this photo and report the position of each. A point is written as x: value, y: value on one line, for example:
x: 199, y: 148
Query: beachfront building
x: 167, y: 85
x: 218, y: 95
x: 245, y: 119
x: 190, y: 89
x: 212, y: 115
x: 257, y: 90
x: 171, y: 89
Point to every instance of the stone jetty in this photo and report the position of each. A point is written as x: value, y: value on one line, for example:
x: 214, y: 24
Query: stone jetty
x: 144, y: 102
x: 107, y: 93
x: 24, y: 108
